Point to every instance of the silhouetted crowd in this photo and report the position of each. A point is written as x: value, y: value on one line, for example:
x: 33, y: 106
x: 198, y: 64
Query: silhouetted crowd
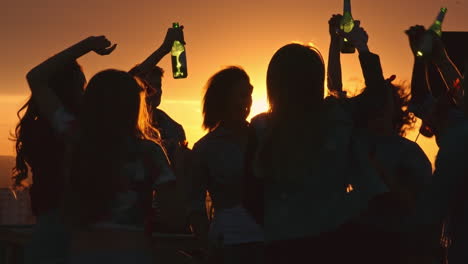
x: 312, y: 180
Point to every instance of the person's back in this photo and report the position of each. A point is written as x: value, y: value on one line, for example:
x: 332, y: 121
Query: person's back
x: 311, y: 187
x: 452, y: 200
x: 46, y: 190
x: 172, y: 137
x: 219, y: 150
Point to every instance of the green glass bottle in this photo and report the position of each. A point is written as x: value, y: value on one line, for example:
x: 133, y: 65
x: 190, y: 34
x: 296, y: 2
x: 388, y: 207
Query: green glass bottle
x: 347, y: 24
x: 179, y: 59
x: 436, y: 28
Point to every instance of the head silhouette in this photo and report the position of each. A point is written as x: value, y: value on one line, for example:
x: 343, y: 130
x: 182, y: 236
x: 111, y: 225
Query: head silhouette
x: 113, y: 115
x: 295, y: 88
x: 228, y: 98
x: 393, y: 117
x: 153, y: 84
x: 295, y: 81
x: 32, y: 132
x: 117, y: 116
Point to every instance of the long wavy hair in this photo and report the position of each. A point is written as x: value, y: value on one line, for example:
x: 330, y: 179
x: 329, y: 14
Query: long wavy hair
x: 402, y: 120
x: 113, y: 114
x: 65, y: 83
x: 295, y: 88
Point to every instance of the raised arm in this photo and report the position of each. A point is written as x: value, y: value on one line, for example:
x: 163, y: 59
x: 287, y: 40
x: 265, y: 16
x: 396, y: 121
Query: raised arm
x: 370, y: 62
x: 421, y: 97
x: 38, y: 77
x: 148, y: 64
x: 376, y: 93
x: 334, y: 78
x: 449, y: 72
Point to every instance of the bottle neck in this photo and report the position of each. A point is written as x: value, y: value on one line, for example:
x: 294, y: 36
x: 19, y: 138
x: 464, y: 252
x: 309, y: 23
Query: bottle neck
x: 347, y: 7
x: 440, y: 18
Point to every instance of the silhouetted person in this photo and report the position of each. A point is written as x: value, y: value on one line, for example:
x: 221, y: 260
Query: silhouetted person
x: 311, y: 189
x: 423, y: 103
x: 407, y: 169
x: 440, y: 202
x: 112, y: 160
x: 445, y: 117
x: 218, y: 166
x: 172, y: 134
x: 38, y: 148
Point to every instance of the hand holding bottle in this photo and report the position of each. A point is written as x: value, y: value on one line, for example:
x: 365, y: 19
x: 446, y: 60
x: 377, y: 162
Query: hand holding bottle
x: 334, y: 26
x: 415, y: 35
x: 172, y: 35
x: 425, y: 48
x: 358, y: 37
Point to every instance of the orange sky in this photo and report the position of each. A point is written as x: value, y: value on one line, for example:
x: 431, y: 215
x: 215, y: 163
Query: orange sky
x: 218, y: 33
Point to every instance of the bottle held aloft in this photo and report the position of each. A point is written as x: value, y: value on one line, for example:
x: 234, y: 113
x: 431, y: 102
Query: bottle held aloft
x: 347, y: 25
x: 436, y: 28
x: 179, y: 59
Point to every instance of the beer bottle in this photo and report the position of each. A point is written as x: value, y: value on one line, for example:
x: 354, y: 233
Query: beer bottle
x: 179, y: 60
x: 347, y: 24
x: 436, y: 28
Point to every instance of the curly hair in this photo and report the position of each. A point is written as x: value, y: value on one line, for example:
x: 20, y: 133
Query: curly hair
x: 403, y: 120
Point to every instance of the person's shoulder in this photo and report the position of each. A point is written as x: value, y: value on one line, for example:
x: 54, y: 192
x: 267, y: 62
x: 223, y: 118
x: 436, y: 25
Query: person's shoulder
x: 160, y: 115
x: 406, y: 143
x: 260, y: 118
x: 210, y: 140
x: 260, y: 121
x: 406, y: 148
x: 150, y: 147
x: 203, y: 142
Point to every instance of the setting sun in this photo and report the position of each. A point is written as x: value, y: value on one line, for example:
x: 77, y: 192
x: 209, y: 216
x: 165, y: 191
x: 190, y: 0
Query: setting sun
x: 259, y: 105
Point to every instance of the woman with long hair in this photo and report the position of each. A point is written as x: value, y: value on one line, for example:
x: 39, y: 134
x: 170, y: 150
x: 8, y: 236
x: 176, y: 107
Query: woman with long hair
x: 40, y: 153
x: 218, y: 166
x: 113, y: 161
x: 300, y: 160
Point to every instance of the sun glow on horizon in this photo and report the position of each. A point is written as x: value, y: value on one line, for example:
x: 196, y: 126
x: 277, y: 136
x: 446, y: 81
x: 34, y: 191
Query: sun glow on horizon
x: 259, y: 105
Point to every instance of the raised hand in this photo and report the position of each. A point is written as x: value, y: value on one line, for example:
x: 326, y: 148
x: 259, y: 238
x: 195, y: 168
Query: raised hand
x: 358, y: 36
x: 100, y: 45
x: 172, y: 35
x: 334, y: 25
x: 415, y: 36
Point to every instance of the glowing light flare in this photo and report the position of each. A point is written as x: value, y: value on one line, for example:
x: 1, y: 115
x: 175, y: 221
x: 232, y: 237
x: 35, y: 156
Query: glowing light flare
x: 259, y: 105
x: 349, y: 188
